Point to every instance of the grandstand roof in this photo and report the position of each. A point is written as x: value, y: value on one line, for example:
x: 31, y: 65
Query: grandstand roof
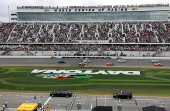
x: 99, y: 6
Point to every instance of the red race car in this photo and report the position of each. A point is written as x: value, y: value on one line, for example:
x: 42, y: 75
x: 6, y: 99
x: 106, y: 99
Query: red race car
x: 110, y: 64
x: 158, y: 64
x: 82, y: 63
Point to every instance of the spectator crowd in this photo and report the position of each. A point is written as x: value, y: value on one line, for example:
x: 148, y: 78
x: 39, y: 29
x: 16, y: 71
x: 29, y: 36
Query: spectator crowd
x: 116, y: 32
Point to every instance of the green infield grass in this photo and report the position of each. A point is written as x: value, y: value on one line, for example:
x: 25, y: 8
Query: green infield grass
x: 151, y: 82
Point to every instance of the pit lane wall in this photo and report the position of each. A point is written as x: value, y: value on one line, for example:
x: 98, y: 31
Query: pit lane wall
x: 93, y: 54
x: 90, y: 57
x: 90, y: 53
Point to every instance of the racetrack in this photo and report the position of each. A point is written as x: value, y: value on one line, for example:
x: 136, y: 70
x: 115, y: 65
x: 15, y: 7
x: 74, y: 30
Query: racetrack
x: 14, y: 99
x: 74, y: 62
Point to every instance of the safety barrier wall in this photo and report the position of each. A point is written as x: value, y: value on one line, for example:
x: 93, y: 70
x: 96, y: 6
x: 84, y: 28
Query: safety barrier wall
x: 91, y: 53
x: 90, y: 57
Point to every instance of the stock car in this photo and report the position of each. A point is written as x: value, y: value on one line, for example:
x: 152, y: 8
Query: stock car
x: 110, y: 64
x: 82, y: 63
x: 87, y: 61
x: 123, y: 94
x: 119, y: 57
x: 121, y: 60
x: 158, y: 64
x: 154, y: 61
x: 61, y: 61
x: 61, y: 93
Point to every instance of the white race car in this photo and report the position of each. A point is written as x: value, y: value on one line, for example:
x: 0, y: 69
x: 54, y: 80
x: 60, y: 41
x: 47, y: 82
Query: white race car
x: 87, y: 61
x: 121, y: 60
x: 154, y: 61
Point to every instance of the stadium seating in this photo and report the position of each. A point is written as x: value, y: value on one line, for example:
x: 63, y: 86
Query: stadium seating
x: 118, y: 32
x: 95, y: 32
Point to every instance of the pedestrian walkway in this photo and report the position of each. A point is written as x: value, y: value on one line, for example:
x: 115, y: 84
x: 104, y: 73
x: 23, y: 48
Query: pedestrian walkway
x: 15, y: 109
x: 8, y: 109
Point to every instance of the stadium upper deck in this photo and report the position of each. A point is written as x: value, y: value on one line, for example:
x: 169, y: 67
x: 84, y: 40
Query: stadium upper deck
x: 154, y: 12
x: 83, y: 33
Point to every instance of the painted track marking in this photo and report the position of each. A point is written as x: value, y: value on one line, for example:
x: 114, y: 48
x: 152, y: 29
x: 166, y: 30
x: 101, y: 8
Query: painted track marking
x: 102, y: 98
x: 47, y: 100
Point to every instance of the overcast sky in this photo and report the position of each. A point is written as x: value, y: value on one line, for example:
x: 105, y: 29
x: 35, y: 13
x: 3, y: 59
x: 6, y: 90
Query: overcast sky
x: 14, y: 3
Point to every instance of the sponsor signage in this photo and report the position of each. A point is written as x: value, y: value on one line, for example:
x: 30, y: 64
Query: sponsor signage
x: 134, y: 9
x: 46, y: 10
x: 109, y: 72
x: 90, y: 9
x: 63, y: 76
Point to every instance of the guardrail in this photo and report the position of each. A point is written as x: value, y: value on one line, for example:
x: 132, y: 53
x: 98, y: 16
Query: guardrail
x: 72, y: 102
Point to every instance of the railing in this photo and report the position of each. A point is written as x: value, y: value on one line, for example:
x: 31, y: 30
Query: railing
x: 29, y: 53
x: 5, y: 52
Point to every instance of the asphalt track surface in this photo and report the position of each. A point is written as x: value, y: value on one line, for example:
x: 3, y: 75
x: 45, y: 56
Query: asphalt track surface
x: 61, y: 103
x: 76, y: 61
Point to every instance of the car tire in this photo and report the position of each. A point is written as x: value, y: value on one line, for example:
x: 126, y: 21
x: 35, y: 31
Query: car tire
x: 128, y: 97
x: 52, y: 95
x: 116, y: 97
x: 67, y: 96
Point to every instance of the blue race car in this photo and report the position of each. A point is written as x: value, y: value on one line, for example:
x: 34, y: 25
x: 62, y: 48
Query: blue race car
x: 61, y: 61
x: 154, y: 61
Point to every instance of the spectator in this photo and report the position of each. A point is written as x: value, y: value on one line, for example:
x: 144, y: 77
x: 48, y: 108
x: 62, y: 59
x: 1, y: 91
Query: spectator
x: 128, y: 32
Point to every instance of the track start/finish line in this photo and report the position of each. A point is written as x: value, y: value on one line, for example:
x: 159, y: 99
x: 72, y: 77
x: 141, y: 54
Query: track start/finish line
x: 86, y: 72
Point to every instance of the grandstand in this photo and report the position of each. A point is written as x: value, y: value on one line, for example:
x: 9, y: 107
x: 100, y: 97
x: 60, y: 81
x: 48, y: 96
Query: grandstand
x: 82, y: 29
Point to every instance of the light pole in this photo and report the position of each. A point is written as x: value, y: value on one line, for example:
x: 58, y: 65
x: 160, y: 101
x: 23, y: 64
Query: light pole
x: 78, y: 105
x: 162, y: 103
x: 40, y: 102
x: 137, y: 105
x: 8, y: 14
x: 66, y: 107
x: 119, y: 106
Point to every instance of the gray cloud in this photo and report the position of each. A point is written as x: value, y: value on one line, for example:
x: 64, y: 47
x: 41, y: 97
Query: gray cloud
x: 14, y: 3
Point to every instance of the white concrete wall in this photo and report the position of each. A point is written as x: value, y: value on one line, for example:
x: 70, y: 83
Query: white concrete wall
x: 71, y: 53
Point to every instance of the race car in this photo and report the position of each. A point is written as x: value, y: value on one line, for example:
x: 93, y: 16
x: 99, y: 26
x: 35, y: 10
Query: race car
x: 158, y: 64
x: 61, y: 61
x: 154, y: 61
x: 82, y: 63
x: 110, y: 64
x: 53, y: 57
x: 121, y: 60
x: 87, y: 61
x: 119, y: 57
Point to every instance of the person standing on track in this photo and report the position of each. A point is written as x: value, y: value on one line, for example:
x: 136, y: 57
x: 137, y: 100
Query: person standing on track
x: 5, y: 103
x: 43, y: 107
x: 35, y: 98
x: 3, y: 107
x: 48, y: 106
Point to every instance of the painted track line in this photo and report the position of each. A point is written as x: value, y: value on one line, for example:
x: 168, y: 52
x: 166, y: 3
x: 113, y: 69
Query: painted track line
x: 102, y: 98
x: 28, y: 96
x: 47, y: 100
x: 146, y: 100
